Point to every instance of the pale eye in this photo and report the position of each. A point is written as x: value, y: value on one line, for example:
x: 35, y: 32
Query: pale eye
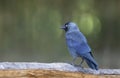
x: 66, y: 25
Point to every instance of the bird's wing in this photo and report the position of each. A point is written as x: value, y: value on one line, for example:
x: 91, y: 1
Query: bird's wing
x: 77, y: 41
x: 90, y: 60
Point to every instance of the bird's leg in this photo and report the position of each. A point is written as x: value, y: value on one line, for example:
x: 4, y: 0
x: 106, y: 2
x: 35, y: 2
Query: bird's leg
x: 81, y: 63
x: 73, y: 61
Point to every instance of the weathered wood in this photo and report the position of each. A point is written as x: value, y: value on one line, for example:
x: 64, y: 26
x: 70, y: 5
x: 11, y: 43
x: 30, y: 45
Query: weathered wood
x: 52, y: 70
x: 31, y: 73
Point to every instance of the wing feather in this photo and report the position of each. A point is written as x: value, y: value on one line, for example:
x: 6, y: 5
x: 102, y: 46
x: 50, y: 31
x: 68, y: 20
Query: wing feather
x: 78, y: 42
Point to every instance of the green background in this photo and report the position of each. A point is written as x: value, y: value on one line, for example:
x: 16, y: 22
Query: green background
x: 29, y: 29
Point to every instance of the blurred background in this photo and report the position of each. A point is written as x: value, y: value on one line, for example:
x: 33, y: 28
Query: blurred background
x: 29, y: 30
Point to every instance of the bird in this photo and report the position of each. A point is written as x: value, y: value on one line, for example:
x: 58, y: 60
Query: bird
x: 78, y: 46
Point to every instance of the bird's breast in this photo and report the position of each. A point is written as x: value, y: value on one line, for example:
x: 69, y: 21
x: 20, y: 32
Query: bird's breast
x: 71, y: 42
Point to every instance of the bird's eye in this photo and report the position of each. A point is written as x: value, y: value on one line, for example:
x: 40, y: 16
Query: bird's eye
x: 66, y: 25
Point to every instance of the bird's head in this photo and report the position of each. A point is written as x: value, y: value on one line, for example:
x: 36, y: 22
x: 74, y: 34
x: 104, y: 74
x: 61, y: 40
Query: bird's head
x: 70, y: 26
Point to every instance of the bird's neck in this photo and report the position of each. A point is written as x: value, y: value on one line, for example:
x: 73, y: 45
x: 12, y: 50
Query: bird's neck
x: 72, y: 31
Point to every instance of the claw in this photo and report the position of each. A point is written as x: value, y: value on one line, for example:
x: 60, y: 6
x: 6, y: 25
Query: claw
x: 81, y: 63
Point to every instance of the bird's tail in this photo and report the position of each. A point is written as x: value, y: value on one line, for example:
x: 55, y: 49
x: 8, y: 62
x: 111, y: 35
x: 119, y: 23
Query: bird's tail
x: 92, y: 65
x: 90, y: 61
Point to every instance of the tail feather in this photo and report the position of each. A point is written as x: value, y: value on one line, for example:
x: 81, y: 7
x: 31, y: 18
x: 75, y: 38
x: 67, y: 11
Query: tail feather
x: 92, y: 65
x: 90, y: 61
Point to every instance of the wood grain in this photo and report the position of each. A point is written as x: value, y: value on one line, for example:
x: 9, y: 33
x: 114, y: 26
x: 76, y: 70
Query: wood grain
x: 39, y: 73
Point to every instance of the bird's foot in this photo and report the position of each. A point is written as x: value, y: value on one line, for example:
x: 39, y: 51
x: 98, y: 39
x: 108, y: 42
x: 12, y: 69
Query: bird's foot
x: 71, y: 63
x: 81, y: 66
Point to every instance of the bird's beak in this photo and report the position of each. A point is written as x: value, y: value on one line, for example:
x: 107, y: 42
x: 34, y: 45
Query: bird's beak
x: 63, y: 27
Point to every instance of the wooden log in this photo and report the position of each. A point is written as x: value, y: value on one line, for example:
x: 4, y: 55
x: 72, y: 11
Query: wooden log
x: 52, y: 70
